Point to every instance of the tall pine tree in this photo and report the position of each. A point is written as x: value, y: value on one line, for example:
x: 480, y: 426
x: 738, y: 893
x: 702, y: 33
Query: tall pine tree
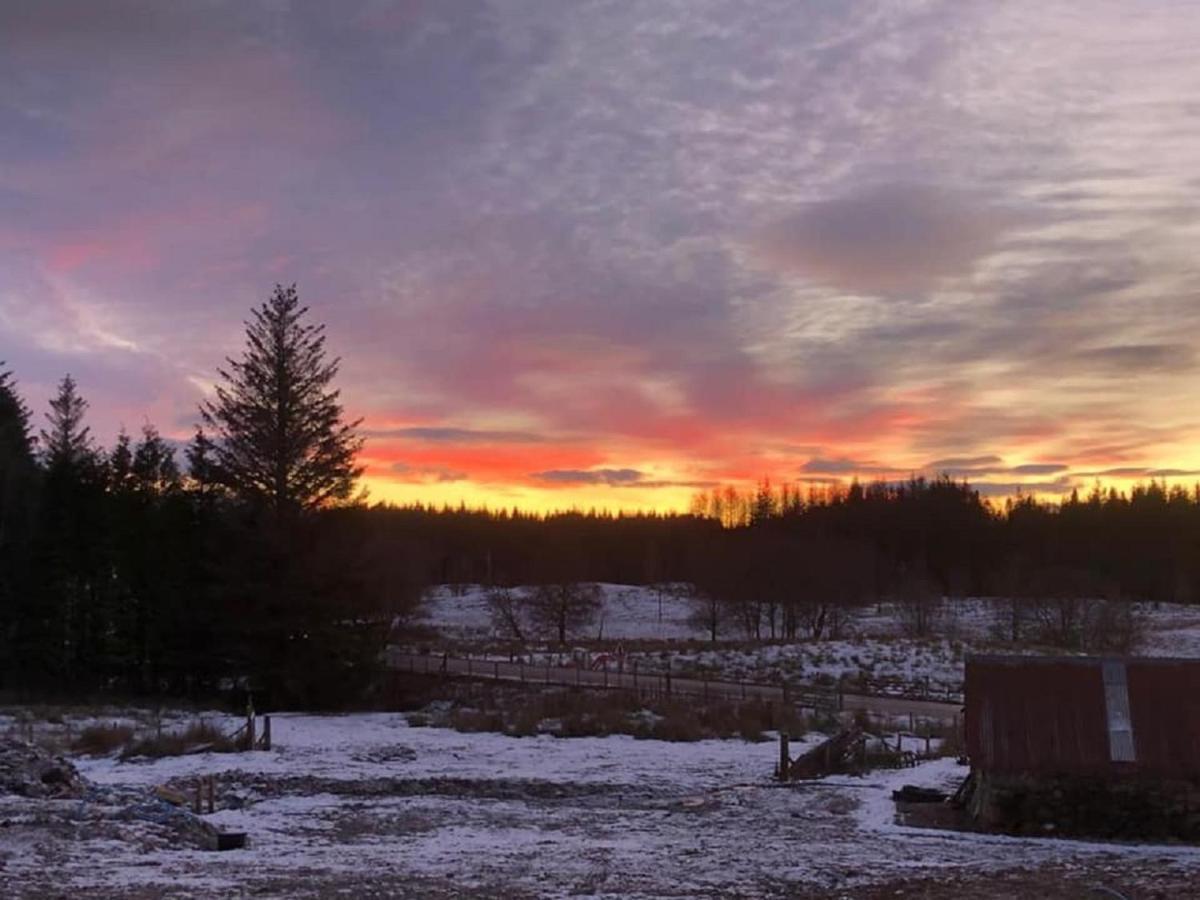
x: 71, y: 622
x: 280, y: 438
x: 281, y: 448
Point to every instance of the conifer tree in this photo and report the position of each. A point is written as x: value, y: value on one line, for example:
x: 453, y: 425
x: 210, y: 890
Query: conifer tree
x: 18, y: 484
x: 280, y: 438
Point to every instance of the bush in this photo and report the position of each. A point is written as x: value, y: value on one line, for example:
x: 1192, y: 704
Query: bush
x: 201, y: 736
x: 101, y: 740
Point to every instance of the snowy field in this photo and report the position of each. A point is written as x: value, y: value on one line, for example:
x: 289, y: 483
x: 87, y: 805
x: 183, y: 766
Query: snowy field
x: 873, y: 645
x: 628, y: 612
x: 366, y: 806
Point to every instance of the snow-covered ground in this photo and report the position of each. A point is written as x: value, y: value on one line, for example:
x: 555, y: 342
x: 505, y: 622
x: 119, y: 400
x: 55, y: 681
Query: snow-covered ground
x: 933, y: 665
x: 364, y: 805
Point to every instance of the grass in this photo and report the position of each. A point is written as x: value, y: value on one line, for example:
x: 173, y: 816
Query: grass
x: 101, y: 740
x: 574, y: 713
x: 199, y: 736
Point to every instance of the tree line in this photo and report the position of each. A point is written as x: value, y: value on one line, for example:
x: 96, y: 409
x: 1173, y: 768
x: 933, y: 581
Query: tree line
x: 241, y: 565
x: 248, y: 559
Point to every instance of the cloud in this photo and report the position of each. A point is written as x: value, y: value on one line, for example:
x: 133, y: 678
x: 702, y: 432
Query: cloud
x: 1129, y: 359
x: 436, y: 474
x: 435, y: 435
x: 1124, y: 472
x: 887, y: 238
x: 843, y: 466
x: 957, y: 463
x: 611, y: 477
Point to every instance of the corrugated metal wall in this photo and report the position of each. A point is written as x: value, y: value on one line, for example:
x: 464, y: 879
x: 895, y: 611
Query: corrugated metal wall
x: 1051, y: 716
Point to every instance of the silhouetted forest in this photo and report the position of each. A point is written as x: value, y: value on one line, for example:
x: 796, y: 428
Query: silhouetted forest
x: 249, y: 561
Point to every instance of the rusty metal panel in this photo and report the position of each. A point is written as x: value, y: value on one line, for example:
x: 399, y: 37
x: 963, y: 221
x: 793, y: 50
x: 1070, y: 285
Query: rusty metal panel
x: 1036, y: 715
x: 1164, y: 699
x: 1083, y: 715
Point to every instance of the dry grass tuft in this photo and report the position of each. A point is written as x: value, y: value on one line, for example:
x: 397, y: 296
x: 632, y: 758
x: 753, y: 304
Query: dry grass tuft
x: 200, y: 736
x: 101, y: 740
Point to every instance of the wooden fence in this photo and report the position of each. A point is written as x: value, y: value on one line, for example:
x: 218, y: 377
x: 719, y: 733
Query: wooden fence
x: 664, y: 684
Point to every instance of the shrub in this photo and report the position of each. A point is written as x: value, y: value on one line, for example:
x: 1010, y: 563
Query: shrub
x: 101, y: 740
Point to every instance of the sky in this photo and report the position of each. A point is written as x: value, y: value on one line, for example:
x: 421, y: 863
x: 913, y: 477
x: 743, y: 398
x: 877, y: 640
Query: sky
x: 613, y: 252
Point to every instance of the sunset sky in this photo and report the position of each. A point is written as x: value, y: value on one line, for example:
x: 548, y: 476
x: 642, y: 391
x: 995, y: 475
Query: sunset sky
x: 611, y: 253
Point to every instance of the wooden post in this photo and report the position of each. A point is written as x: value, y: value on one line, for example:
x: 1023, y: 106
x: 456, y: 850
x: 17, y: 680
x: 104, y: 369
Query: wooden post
x: 496, y: 670
x: 211, y: 794
x: 912, y: 722
x: 250, y: 723
x: 785, y: 759
x: 927, y: 745
x: 266, y: 735
x: 196, y: 808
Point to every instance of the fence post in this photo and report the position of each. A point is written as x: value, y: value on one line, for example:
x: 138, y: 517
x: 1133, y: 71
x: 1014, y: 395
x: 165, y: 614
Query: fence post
x: 635, y: 684
x: 266, y: 735
x: 250, y: 724
x: 496, y: 670
x: 785, y: 759
x: 211, y: 794
x: 196, y: 807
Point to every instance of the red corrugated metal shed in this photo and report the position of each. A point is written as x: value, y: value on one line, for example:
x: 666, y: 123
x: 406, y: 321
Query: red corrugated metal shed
x: 1083, y: 715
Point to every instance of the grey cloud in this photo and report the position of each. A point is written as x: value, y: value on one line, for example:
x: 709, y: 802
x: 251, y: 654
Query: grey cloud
x: 964, y: 462
x: 611, y: 477
x: 437, y: 474
x: 843, y: 466
x: 1039, y: 469
x: 455, y: 435
x: 885, y: 239
x: 1139, y: 472
x: 1131, y: 358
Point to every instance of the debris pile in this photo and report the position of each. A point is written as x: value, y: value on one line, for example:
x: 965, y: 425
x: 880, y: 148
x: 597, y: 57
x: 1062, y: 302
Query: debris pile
x: 27, y: 770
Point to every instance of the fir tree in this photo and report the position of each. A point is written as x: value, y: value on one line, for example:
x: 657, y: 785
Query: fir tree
x: 281, y: 441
